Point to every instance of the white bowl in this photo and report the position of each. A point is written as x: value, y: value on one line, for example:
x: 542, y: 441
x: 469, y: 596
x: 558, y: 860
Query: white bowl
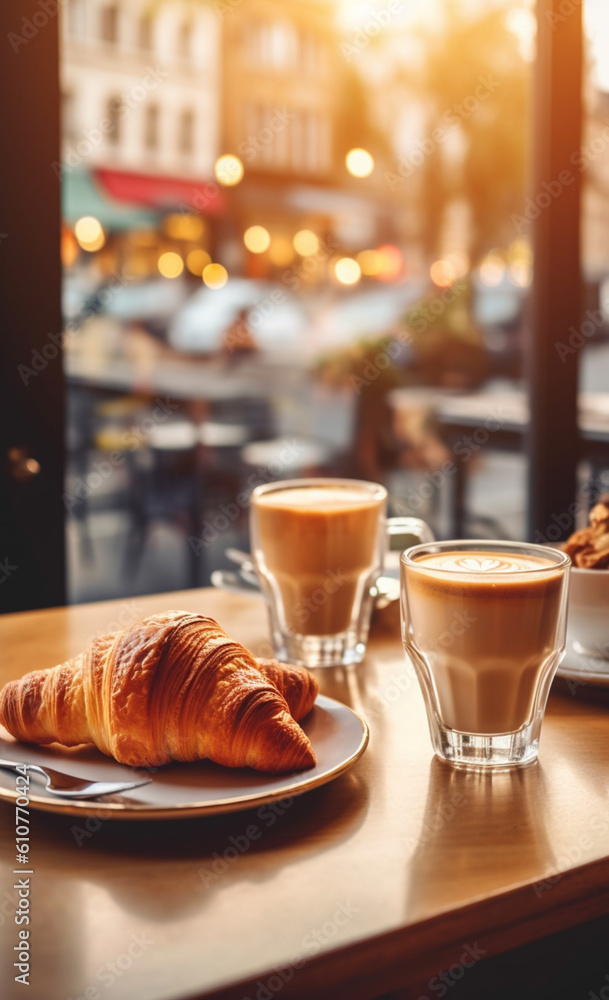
x: 588, y: 622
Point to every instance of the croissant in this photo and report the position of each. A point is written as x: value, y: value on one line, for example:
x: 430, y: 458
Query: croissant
x: 171, y: 687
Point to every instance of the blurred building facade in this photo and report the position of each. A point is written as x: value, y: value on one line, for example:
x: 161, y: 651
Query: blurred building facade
x: 140, y: 86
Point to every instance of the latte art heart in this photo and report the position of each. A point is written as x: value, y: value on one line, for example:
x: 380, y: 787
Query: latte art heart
x: 483, y: 563
x: 473, y: 565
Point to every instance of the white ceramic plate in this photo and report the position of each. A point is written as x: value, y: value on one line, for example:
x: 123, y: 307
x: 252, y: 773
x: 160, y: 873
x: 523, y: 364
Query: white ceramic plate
x: 584, y: 669
x: 177, y: 791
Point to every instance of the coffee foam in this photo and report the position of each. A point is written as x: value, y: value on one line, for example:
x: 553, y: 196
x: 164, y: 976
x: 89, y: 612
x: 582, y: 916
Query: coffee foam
x: 483, y: 563
x: 318, y: 498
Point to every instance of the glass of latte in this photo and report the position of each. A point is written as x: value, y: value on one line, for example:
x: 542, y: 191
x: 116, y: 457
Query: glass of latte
x: 318, y: 546
x: 484, y: 625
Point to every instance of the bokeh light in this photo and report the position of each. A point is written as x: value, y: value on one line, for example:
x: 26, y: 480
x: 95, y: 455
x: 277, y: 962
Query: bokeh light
x: 197, y: 261
x: 69, y: 248
x: 359, y: 162
x: 391, y: 262
x: 228, y: 170
x: 347, y: 271
x: 520, y: 275
x: 215, y: 276
x: 306, y: 243
x: 442, y: 273
x: 493, y: 268
x: 281, y: 251
x: 184, y: 226
x: 170, y: 264
x: 257, y: 239
x: 371, y: 262
x: 89, y: 233
x: 460, y: 262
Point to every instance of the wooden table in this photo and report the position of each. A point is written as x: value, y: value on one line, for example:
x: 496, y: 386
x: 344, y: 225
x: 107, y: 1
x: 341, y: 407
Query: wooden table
x: 399, y: 869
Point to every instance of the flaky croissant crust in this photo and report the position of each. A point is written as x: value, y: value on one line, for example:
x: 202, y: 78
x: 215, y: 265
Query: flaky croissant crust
x: 171, y: 687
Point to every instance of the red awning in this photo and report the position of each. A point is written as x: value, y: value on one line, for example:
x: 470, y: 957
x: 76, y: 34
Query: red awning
x: 169, y: 193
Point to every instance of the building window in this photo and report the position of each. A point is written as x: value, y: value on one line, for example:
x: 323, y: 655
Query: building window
x: 186, y: 132
x: 113, y: 113
x: 185, y: 40
x: 68, y: 123
x: 272, y: 45
x: 146, y: 33
x: 109, y: 24
x: 76, y: 19
x: 151, y: 127
x: 297, y: 144
x: 310, y: 51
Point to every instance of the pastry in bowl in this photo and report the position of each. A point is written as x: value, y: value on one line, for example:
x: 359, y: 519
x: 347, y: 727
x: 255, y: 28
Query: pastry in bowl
x: 588, y: 621
x: 172, y: 687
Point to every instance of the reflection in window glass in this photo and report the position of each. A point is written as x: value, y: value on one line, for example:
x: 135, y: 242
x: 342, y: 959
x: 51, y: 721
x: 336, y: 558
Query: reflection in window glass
x: 323, y: 269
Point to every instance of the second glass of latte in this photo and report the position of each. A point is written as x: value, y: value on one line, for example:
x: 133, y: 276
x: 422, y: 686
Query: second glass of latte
x: 484, y: 624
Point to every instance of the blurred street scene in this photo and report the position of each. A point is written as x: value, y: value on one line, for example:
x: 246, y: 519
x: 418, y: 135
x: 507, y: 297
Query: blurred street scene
x: 296, y: 242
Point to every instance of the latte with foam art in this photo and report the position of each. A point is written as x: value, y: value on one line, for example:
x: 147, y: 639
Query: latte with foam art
x: 483, y: 625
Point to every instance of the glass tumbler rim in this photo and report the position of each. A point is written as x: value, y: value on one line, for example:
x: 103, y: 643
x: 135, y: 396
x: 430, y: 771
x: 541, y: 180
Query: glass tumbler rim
x: 560, y: 559
x: 377, y: 490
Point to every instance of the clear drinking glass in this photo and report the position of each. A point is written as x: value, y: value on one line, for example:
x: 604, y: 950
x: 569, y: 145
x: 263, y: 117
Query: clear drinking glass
x: 318, y: 546
x: 484, y: 623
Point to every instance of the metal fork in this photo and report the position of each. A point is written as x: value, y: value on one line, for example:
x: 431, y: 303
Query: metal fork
x: 68, y: 786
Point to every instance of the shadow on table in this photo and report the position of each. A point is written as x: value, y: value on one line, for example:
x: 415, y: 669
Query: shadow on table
x: 480, y: 831
x: 166, y: 869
